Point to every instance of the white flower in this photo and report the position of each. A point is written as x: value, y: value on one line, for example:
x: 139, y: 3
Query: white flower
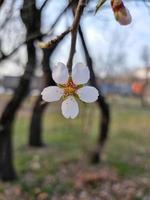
x: 70, y: 87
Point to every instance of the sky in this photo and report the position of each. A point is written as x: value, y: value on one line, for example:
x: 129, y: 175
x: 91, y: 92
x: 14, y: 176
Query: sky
x: 105, y: 37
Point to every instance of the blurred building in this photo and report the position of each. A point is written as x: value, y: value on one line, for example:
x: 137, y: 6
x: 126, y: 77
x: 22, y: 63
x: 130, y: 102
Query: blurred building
x: 9, y: 83
x: 131, y: 83
x: 142, y: 73
x: 125, y: 84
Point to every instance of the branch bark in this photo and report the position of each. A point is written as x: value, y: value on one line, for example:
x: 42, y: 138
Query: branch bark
x: 74, y: 30
x: 55, y: 41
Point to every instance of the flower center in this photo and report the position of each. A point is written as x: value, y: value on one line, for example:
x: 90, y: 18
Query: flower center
x: 70, y: 88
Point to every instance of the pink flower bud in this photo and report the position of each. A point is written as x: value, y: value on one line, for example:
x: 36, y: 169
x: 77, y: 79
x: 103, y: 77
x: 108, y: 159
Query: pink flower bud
x: 121, y: 13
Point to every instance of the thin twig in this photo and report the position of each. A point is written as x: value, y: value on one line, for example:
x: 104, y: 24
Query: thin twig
x: 9, y: 16
x: 43, y: 5
x: 74, y: 29
x: 55, y: 40
x: 63, y: 11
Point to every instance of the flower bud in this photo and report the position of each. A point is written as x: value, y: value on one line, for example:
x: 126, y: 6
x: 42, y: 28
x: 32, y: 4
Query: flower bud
x: 121, y: 13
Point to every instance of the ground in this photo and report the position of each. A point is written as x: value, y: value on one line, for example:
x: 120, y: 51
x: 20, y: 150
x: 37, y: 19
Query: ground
x: 62, y: 171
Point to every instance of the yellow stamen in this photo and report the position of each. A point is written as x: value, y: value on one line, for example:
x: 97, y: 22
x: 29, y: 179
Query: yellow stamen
x: 70, y: 88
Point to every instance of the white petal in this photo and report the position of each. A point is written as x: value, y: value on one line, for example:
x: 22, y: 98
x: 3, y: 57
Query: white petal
x: 60, y: 73
x: 88, y: 94
x: 80, y: 74
x: 70, y: 108
x: 52, y: 93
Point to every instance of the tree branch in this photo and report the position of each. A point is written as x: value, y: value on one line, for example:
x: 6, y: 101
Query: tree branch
x: 43, y: 5
x: 37, y: 36
x: 74, y: 29
x: 63, y: 11
x: 9, y: 16
x: 88, y: 58
x: 51, y: 43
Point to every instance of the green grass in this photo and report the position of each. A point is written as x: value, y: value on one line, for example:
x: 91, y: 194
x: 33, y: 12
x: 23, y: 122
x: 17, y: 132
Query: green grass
x: 127, y: 150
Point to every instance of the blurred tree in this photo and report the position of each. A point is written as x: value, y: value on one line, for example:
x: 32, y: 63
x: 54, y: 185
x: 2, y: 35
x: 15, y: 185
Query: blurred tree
x: 103, y: 106
x: 145, y: 86
x: 1, y: 2
x: 35, y: 138
x: 31, y: 18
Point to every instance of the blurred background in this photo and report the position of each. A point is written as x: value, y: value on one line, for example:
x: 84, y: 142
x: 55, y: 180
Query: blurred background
x: 44, y: 156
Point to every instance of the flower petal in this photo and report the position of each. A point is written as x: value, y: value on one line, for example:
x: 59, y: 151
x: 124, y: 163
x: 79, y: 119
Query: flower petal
x: 52, y: 93
x: 88, y: 94
x: 70, y: 108
x: 80, y: 74
x: 60, y: 73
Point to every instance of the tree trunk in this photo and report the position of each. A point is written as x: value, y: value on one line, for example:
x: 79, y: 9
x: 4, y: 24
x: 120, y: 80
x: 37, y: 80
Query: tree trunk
x: 1, y: 2
x: 35, y: 137
x: 6, y: 121
x: 103, y: 106
x: 7, y: 171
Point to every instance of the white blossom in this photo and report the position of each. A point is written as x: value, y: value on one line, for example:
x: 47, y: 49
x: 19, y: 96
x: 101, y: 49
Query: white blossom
x: 69, y: 88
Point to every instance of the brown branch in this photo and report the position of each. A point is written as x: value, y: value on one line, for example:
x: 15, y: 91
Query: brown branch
x: 37, y: 36
x: 51, y: 43
x: 74, y: 29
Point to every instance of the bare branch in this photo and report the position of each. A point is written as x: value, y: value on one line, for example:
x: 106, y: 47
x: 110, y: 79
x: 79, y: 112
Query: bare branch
x: 9, y: 16
x: 78, y: 14
x: 37, y: 36
x: 44, y: 4
x: 88, y: 58
x: 51, y: 43
x: 4, y: 56
x: 63, y: 11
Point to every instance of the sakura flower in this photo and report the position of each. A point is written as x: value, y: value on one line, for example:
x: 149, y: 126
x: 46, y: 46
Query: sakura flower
x: 70, y: 87
x: 121, y: 13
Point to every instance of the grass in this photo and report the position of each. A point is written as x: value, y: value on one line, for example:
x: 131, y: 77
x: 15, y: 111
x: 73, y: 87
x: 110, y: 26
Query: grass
x: 49, y: 171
